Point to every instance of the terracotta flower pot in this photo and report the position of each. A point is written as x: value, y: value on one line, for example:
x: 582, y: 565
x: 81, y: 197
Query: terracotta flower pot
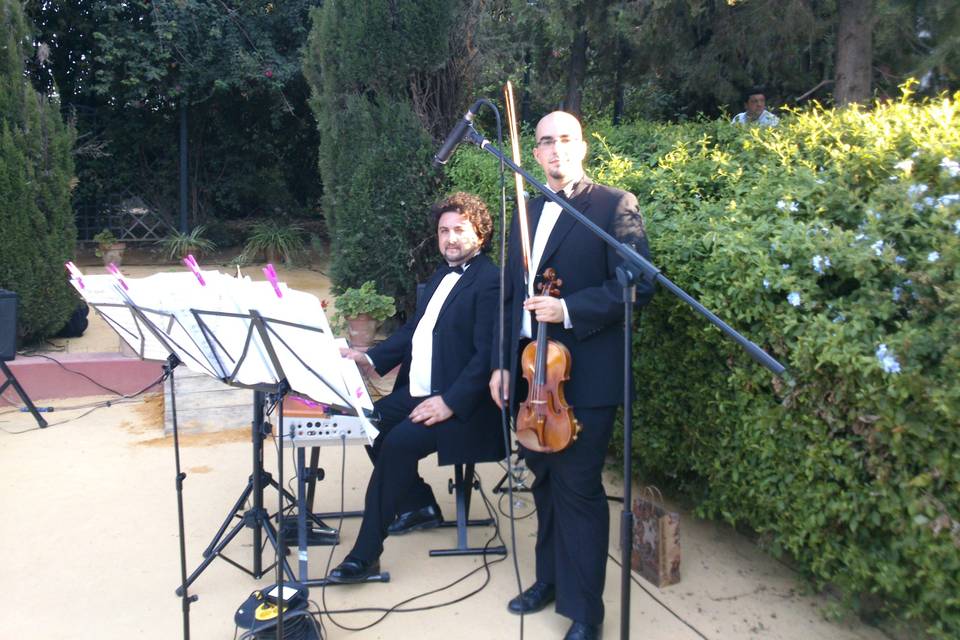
x: 113, y: 253
x: 361, y: 330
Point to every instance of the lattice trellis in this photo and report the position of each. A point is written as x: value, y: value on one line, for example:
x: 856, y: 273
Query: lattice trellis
x: 131, y: 221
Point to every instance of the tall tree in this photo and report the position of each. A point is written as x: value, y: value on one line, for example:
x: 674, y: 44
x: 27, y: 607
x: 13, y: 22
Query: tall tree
x: 854, y: 51
x: 388, y: 79
x: 237, y: 63
x: 36, y: 173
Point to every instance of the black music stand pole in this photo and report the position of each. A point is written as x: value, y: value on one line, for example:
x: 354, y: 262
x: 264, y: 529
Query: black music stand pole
x: 257, y: 518
x: 628, y: 281
x: 171, y: 364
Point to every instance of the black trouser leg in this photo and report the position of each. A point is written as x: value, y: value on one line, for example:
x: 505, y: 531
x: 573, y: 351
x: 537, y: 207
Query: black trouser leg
x: 572, y: 507
x: 394, y: 476
x: 392, y: 410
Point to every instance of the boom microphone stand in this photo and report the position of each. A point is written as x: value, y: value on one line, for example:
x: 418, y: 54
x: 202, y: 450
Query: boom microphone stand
x: 633, y: 265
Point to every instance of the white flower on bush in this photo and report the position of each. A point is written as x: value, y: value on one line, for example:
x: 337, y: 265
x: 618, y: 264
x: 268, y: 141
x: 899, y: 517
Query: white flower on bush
x: 877, y: 247
x: 917, y: 190
x: 897, y: 293
x: 785, y: 205
x: 951, y: 167
x: 904, y: 165
x: 794, y: 299
x: 820, y: 263
x: 839, y: 318
x: 785, y: 266
x: 873, y: 214
x: 900, y: 260
x: 933, y: 256
x: 766, y: 283
x: 860, y: 236
x: 915, y: 154
x: 887, y: 359
x: 948, y: 199
x: 820, y: 181
x: 956, y: 227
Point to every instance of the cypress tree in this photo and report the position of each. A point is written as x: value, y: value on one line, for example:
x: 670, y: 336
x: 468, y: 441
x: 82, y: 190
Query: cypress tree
x: 374, y: 150
x: 37, y: 230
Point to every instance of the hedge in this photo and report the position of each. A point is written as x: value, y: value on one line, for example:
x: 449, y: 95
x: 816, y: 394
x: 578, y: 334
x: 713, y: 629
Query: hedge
x: 37, y: 230
x: 833, y: 241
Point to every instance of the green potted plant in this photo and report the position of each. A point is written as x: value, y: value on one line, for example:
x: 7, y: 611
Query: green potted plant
x: 361, y: 310
x: 274, y: 240
x: 179, y: 245
x: 109, y: 247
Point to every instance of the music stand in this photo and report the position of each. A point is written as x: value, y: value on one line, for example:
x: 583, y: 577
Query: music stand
x: 148, y: 341
x: 241, y: 347
x: 292, y: 371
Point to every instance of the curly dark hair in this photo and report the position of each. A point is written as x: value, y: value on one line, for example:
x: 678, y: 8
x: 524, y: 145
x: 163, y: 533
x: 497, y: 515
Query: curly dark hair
x: 470, y: 207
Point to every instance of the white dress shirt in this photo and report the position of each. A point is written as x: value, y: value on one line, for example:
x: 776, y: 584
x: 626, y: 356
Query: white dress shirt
x: 548, y: 219
x: 421, y: 351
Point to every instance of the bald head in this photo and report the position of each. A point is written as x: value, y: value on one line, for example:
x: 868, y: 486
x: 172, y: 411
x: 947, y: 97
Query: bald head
x: 560, y: 120
x: 560, y: 148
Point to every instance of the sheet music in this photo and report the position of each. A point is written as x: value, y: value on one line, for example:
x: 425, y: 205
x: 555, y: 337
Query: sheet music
x: 104, y: 294
x: 211, y: 329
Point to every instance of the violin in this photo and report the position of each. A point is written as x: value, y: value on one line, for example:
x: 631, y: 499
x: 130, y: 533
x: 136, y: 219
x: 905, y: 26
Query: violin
x: 546, y: 422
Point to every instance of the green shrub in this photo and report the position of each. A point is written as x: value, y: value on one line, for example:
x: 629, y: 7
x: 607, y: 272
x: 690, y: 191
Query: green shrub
x: 274, y: 240
x: 833, y: 241
x: 180, y: 245
x: 374, y: 150
x: 36, y: 173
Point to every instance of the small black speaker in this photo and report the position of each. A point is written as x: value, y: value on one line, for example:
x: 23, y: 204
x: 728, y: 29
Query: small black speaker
x: 8, y: 325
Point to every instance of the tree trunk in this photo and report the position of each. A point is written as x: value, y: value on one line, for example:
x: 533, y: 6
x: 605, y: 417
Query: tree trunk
x: 854, y: 51
x: 619, y: 88
x: 578, y: 68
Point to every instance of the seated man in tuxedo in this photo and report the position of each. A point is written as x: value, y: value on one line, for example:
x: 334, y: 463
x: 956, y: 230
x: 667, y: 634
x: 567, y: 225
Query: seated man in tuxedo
x: 440, y: 400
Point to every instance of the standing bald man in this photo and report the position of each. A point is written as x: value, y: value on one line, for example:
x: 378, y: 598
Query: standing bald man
x: 573, y: 521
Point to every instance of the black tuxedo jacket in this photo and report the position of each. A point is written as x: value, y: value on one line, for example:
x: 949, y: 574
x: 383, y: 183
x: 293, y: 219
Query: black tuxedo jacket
x: 462, y: 339
x: 594, y: 298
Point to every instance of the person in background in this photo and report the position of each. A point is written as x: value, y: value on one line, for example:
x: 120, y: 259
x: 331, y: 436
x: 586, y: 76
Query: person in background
x: 756, y: 112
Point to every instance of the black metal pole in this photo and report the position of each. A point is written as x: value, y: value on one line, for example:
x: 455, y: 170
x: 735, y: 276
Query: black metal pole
x: 259, y: 402
x: 185, y: 598
x: 628, y: 281
x: 281, y: 544
x: 183, y: 165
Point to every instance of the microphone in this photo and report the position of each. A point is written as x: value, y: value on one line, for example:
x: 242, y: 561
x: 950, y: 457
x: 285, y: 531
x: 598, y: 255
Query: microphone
x: 456, y: 135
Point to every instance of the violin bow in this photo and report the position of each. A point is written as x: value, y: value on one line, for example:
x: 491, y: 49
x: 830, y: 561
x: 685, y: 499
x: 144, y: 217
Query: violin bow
x: 521, y: 202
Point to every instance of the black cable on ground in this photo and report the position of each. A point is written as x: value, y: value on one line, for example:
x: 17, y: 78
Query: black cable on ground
x: 658, y: 600
x: 397, y: 608
x: 93, y: 407
x: 75, y: 372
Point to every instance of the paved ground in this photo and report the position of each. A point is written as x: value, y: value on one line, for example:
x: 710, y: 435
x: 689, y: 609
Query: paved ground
x: 90, y: 525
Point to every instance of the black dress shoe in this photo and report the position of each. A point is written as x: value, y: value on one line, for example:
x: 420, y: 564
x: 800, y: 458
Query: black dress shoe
x: 583, y: 631
x: 427, y: 517
x: 533, y: 599
x: 353, y: 570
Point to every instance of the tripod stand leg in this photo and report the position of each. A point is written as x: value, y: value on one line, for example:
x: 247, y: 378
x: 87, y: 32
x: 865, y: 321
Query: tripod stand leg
x: 12, y: 380
x: 213, y: 555
x: 234, y: 511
